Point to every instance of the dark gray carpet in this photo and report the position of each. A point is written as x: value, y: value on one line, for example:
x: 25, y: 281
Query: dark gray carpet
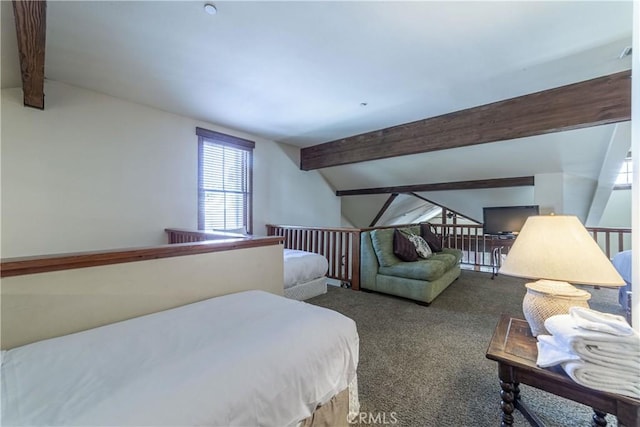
x: 426, y: 366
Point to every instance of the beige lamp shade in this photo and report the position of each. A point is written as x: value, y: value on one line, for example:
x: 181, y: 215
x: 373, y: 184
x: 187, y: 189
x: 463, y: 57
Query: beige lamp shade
x: 558, y: 247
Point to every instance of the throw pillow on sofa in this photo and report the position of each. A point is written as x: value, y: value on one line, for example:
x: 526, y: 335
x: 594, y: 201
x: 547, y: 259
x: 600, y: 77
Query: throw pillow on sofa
x: 403, y: 247
x: 432, y: 239
x: 422, y: 247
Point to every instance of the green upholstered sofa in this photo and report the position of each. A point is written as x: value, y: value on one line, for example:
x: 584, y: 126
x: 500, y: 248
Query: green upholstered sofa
x: 382, y: 271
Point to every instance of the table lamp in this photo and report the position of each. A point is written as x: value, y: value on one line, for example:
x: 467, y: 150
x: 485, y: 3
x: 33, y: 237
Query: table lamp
x: 557, y: 249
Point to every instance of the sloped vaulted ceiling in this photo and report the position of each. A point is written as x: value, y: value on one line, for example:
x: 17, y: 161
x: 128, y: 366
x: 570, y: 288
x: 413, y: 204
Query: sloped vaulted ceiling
x: 298, y: 72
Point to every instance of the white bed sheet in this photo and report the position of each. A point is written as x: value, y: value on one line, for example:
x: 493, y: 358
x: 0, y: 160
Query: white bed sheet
x: 301, y: 266
x: 250, y: 358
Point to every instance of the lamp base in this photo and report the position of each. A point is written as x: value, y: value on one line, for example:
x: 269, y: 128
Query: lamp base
x: 546, y: 298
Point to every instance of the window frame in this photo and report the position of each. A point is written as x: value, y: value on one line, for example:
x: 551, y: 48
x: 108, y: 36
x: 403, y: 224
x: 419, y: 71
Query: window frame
x: 627, y: 170
x: 212, y: 137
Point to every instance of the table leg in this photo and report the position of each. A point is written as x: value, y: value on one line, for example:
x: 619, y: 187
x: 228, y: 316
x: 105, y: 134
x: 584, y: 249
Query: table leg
x: 495, y: 259
x: 598, y: 419
x: 524, y: 409
x: 507, y: 403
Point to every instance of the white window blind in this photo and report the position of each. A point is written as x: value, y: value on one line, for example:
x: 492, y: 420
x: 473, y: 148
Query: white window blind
x: 224, y: 181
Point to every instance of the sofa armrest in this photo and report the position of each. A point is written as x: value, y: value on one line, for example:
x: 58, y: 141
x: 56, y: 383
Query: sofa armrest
x: 368, y: 262
x: 455, y: 252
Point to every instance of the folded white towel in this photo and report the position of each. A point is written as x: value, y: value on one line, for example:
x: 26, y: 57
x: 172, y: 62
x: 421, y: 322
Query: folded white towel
x: 611, y: 351
x: 599, y: 378
x: 551, y: 353
x: 597, y: 321
x: 563, y: 327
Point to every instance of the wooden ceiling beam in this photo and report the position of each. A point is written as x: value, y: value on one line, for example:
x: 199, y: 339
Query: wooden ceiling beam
x: 443, y: 186
x: 31, y: 24
x: 383, y: 209
x: 444, y: 207
x: 593, y: 102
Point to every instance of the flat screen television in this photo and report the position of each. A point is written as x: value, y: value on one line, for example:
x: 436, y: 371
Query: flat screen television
x: 506, y: 220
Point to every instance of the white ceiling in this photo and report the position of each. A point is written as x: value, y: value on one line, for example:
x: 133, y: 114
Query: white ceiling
x: 297, y: 72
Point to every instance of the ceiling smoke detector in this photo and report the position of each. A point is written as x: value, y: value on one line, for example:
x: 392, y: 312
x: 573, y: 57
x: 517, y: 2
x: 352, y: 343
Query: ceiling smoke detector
x: 210, y: 9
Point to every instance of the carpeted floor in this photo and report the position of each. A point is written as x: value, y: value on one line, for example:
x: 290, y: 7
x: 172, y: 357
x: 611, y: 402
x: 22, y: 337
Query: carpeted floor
x: 426, y: 366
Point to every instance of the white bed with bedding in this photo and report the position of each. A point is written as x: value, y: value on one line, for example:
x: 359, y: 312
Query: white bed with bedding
x: 250, y: 358
x: 304, y: 274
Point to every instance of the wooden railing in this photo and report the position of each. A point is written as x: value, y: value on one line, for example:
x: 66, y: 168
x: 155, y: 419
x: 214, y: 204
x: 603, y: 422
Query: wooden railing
x: 341, y: 247
x: 611, y: 240
x: 41, y: 264
x: 476, y: 246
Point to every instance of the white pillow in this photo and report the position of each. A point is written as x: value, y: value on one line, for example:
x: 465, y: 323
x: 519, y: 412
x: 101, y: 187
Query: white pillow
x: 422, y: 247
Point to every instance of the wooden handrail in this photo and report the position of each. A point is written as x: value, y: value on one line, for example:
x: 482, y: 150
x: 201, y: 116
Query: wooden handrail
x: 40, y: 264
x: 298, y: 227
x: 609, y: 229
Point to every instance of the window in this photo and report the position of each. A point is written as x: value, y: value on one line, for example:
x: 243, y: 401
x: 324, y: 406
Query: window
x: 625, y: 176
x: 225, y: 184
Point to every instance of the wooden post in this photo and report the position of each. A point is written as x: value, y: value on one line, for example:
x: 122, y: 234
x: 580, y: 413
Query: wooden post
x: 355, y: 260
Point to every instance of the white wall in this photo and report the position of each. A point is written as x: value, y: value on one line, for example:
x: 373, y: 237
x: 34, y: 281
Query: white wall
x: 294, y: 197
x: 564, y: 194
x: 578, y: 194
x: 54, y: 303
x: 471, y: 202
x: 617, y: 213
x: 359, y: 211
x: 549, y: 193
x: 619, y: 146
x: 95, y: 172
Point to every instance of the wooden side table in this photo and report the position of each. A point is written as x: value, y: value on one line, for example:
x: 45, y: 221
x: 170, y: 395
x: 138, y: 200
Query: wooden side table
x: 514, y: 348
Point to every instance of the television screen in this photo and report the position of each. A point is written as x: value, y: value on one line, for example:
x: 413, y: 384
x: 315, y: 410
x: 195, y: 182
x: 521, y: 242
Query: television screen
x: 505, y: 220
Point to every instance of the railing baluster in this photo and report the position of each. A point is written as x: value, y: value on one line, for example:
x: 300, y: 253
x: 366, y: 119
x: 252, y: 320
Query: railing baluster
x: 329, y: 253
x: 334, y: 253
x: 347, y: 255
x: 316, y: 235
x: 466, y: 236
x: 620, y: 241
x: 339, y: 254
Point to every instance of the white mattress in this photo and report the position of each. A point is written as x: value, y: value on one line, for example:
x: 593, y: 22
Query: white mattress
x: 250, y: 358
x: 301, y: 266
